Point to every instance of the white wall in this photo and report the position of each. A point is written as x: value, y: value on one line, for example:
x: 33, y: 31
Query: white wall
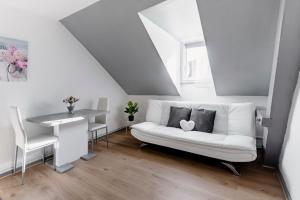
x: 289, y: 163
x: 59, y: 66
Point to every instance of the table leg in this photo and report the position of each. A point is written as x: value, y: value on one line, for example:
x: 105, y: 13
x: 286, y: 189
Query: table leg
x: 70, y: 135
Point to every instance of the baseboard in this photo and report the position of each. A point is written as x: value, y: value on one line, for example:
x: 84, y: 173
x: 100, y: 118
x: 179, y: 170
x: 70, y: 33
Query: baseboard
x: 33, y: 158
x: 284, y: 186
x: 111, y: 132
x: 269, y: 167
x: 281, y: 180
x: 6, y: 168
x: 30, y: 164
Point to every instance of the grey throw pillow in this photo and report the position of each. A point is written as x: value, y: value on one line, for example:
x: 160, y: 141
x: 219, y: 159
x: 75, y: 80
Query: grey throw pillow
x: 204, y: 120
x: 177, y: 114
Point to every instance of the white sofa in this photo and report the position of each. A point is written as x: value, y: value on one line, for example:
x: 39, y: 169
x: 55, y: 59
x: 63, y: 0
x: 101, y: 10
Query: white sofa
x: 233, y: 138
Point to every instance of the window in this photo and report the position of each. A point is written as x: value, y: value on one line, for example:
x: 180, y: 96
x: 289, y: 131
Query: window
x: 195, y: 65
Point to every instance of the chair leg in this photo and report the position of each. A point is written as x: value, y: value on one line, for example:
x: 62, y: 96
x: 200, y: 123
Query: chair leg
x: 23, y: 166
x: 54, y: 158
x: 106, y: 135
x: 96, y: 137
x: 16, y: 160
x: 92, y: 141
x: 44, y: 154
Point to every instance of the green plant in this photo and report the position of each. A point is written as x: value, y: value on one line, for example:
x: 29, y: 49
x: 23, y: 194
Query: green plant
x: 132, y: 108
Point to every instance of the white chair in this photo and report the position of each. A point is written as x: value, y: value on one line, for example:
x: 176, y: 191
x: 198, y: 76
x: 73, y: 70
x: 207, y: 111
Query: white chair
x: 100, y: 121
x: 27, y: 144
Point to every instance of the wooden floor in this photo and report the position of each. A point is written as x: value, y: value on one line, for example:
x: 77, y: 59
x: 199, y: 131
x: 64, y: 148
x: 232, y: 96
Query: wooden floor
x: 126, y: 171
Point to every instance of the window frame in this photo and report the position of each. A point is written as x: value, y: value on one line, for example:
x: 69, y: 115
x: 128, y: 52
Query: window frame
x: 183, y: 62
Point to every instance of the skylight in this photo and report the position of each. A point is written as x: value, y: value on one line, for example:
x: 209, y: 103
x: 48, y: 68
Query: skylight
x: 195, y: 67
x: 175, y: 29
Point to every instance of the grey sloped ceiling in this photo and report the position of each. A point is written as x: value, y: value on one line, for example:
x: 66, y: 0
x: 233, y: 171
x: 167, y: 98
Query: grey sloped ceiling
x: 240, y: 37
x: 113, y: 33
x: 239, y: 34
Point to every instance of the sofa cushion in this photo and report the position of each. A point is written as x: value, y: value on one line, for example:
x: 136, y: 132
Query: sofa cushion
x: 239, y: 142
x: 177, y: 114
x: 232, y: 119
x: 241, y: 119
x: 144, y: 126
x: 221, y: 118
x: 154, y: 111
x: 218, y: 152
x: 204, y: 120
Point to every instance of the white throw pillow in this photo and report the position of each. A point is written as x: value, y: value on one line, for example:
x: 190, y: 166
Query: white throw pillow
x: 187, y: 125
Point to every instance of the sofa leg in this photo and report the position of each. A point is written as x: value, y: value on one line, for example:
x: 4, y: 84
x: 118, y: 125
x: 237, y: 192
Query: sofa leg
x: 143, y: 145
x: 232, y: 168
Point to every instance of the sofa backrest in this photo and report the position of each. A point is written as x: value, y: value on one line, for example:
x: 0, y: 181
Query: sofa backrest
x: 231, y: 119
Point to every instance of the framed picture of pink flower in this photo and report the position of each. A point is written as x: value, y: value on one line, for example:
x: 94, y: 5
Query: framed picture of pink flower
x: 13, y: 59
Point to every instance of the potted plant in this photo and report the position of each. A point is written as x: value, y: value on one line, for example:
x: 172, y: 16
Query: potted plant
x: 70, y: 101
x: 131, y: 109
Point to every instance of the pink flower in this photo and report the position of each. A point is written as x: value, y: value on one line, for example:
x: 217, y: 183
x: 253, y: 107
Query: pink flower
x: 19, y: 55
x: 14, y: 56
x: 8, y: 57
x: 12, y: 49
x: 21, y: 64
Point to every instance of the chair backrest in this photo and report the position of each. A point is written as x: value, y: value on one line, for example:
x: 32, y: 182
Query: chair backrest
x: 16, y: 120
x: 103, y: 104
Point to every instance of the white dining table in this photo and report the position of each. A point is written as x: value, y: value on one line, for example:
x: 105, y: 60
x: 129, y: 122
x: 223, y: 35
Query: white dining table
x: 72, y: 133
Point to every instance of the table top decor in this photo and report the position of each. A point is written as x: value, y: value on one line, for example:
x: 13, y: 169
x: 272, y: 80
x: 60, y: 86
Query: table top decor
x: 70, y: 101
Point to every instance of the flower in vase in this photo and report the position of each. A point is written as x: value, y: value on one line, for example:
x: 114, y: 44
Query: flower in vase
x: 70, y: 100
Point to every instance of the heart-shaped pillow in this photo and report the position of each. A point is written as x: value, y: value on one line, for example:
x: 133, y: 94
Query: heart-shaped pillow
x: 187, y: 125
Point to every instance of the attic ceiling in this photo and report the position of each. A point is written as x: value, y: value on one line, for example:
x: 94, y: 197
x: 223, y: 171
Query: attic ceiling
x: 53, y: 9
x: 180, y: 18
x: 113, y: 33
x: 239, y: 36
